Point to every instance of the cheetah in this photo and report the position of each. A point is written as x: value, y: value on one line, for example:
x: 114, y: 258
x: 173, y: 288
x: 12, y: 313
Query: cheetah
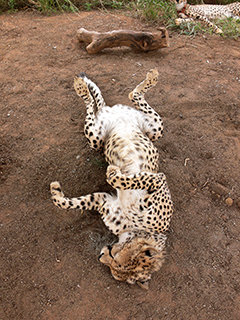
x: 139, y: 214
x: 205, y: 13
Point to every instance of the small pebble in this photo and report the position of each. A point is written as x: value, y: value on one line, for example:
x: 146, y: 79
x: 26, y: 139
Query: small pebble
x: 229, y: 202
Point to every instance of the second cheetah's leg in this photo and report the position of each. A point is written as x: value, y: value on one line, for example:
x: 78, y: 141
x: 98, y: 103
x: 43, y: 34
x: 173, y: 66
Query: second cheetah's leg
x: 153, y: 125
x: 180, y: 21
x: 207, y: 22
x: 197, y: 17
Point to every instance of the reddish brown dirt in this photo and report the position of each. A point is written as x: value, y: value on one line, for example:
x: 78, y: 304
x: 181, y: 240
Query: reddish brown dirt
x: 49, y: 267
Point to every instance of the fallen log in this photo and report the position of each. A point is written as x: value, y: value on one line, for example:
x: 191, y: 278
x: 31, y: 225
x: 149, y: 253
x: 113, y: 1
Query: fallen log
x: 139, y: 41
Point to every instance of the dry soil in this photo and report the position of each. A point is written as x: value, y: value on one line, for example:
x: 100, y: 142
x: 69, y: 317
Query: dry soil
x: 48, y: 265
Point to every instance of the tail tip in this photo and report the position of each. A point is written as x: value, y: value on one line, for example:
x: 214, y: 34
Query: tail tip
x: 82, y: 75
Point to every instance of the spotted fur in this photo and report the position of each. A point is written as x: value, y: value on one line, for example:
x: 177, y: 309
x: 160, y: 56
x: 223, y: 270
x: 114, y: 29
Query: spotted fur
x: 206, y: 13
x: 140, y: 212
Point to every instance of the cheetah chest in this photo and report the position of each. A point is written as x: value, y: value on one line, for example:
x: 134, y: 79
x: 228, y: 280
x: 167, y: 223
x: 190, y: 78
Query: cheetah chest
x: 124, y: 213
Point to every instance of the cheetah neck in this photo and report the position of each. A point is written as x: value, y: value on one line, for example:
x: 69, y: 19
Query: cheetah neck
x: 156, y: 240
x: 182, y: 9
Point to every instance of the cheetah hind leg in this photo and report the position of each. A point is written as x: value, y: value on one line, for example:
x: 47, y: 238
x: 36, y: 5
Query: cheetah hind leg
x: 84, y: 88
x: 149, y: 82
x: 82, y: 85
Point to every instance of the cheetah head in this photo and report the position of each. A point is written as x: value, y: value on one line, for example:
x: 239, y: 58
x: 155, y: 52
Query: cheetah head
x: 180, y: 4
x: 133, y: 261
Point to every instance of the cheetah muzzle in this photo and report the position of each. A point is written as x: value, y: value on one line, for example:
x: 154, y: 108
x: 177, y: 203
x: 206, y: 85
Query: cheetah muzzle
x: 140, y: 213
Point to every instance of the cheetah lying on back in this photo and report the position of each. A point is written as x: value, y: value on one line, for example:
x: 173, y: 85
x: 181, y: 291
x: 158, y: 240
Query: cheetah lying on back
x: 140, y: 212
x: 205, y: 13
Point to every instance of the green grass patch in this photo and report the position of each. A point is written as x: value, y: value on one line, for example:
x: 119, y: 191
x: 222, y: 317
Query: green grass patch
x: 49, y: 6
x: 154, y: 10
x: 229, y: 26
x: 104, y: 4
x: 46, y: 6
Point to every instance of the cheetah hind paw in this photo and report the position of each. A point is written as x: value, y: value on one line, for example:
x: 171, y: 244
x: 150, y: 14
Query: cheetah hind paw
x: 80, y: 86
x: 56, y: 190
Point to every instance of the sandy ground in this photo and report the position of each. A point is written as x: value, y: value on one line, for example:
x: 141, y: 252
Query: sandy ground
x: 48, y: 265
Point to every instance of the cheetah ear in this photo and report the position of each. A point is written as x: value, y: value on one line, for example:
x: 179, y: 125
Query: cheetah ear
x: 143, y: 285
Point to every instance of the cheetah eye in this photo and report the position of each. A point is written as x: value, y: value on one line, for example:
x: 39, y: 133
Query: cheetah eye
x: 148, y: 253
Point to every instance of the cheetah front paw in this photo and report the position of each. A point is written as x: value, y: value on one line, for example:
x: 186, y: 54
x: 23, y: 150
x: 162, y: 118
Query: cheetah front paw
x: 56, y: 190
x: 112, y: 172
x: 150, y: 81
x: 178, y: 21
x: 219, y: 31
x: 152, y: 76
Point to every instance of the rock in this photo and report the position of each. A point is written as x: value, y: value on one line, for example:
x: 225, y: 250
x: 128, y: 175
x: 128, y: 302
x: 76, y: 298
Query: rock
x: 229, y: 202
